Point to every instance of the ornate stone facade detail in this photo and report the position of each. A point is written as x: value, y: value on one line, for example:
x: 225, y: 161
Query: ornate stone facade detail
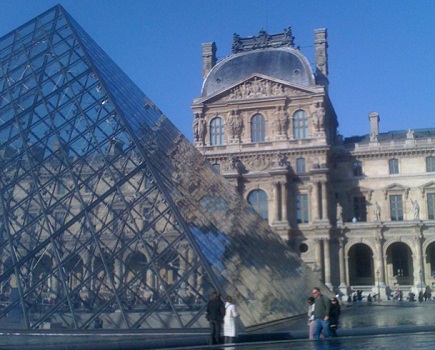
x: 258, y: 88
x: 235, y: 126
x: 257, y: 162
x: 199, y: 129
x: 233, y: 163
x: 262, y: 41
x: 280, y: 160
x: 280, y: 122
x: 318, y: 184
x: 318, y: 118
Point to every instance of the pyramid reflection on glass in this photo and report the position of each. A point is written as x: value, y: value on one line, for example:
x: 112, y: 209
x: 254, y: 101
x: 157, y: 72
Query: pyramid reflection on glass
x: 108, y: 212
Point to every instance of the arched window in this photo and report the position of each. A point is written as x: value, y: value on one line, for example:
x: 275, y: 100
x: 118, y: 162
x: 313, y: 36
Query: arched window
x: 216, y: 132
x: 300, y: 165
x: 300, y: 125
x: 258, y: 128
x: 258, y: 200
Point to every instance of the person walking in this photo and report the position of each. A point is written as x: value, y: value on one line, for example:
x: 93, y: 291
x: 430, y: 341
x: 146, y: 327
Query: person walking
x: 215, y: 315
x: 230, y: 321
x: 311, y: 322
x: 322, y: 306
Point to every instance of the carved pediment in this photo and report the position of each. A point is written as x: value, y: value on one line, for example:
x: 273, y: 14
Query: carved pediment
x: 258, y: 86
x: 427, y: 187
x: 361, y: 190
x: 396, y: 188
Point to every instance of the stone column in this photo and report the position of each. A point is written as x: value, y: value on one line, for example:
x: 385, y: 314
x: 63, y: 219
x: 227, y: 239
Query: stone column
x: 276, y: 201
x: 327, y: 257
x: 315, y: 200
x: 380, y: 260
x: 284, y: 201
x: 419, y: 267
x: 319, y: 260
x: 380, y: 273
x: 324, y: 201
x: 343, y: 282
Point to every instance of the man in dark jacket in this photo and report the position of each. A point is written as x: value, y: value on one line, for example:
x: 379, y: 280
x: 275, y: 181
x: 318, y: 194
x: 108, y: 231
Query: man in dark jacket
x: 215, y: 315
x: 321, y: 314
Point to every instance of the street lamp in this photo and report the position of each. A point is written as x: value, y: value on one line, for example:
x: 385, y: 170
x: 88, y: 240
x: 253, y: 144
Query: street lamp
x: 379, y: 290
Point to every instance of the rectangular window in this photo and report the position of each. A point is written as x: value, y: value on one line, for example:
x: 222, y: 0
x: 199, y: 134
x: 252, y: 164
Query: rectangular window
x: 431, y: 206
x: 302, y: 208
x: 357, y: 168
x: 258, y: 128
x: 300, y: 166
x: 396, y: 208
x: 430, y: 164
x: 393, y: 166
x: 217, y: 132
x: 359, y: 208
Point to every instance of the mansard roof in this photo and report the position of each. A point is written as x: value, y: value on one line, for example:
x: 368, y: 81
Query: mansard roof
x: 283, y: 62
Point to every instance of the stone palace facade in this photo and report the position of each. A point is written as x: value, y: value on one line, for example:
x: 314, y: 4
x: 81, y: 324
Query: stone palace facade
x: 360, y: 210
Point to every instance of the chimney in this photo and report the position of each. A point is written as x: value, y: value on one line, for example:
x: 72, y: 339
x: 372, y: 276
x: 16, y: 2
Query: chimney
x: 208, y: 57
x: 321, y: 45
x: 374, y: 125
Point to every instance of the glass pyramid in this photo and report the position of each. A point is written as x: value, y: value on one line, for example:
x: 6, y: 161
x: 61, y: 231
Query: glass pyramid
x: 108, y: 212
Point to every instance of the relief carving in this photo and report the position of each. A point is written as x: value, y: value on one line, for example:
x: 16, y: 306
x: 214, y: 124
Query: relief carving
x: 257, y: 88
x: 235, y: 125
x: 318, y: 118
x: 258, y: 162
x: 199, y: 129
x: 280, y: 121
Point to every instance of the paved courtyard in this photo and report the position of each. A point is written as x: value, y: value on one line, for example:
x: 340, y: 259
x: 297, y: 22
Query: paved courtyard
x: 384, y: 325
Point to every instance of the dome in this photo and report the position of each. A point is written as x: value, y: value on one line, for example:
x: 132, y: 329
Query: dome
x: 285, y: 63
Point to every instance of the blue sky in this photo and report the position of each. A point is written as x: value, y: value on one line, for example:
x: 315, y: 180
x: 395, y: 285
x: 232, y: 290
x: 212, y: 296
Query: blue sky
x: 381, y: 53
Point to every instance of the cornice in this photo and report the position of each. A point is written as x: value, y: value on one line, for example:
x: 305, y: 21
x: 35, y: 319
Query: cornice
x: 383, y: 153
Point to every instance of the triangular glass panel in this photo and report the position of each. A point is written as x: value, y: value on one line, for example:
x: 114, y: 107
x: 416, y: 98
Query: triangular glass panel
x: 108, y: 213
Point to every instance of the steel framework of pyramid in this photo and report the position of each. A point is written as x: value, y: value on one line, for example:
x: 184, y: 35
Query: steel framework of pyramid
x: 108, y: 212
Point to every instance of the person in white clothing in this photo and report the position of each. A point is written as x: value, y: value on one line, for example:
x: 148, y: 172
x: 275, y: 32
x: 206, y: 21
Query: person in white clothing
x: 230, y: 321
